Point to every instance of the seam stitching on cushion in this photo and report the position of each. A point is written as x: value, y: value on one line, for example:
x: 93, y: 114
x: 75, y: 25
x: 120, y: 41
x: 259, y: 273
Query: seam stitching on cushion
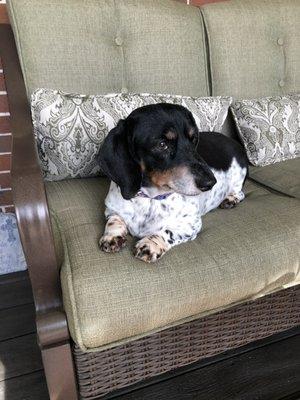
x: 67, y: 264
x: 124, y: 81
x: 18, y: 42
x: 258, y: 185
x: 282, y: 47
x: 270, y: 189
x: 284, y: 64
x: 120, y: 31
x: 206, y: 56
x: 209, y: 56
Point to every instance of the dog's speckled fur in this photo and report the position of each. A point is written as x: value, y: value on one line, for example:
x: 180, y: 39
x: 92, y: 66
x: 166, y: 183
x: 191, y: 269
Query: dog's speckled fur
x: 177, y: 218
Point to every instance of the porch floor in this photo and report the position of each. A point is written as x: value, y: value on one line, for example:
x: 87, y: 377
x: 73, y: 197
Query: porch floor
x: 21, y: 371
x: 268, y: 372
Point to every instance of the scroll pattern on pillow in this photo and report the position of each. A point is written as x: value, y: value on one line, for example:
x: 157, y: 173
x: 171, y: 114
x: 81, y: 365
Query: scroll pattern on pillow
x: 269, y: 128
x: 69, y: 128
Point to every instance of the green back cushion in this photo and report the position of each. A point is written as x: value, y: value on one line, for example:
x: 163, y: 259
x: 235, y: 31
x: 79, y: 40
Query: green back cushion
x: 95, y: 47
x: 254, y: 47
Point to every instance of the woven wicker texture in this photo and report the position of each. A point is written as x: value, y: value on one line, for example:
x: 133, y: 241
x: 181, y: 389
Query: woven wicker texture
x: 102, y: 372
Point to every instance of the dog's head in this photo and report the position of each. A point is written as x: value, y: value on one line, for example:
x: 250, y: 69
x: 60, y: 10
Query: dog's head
x: 155, y: 147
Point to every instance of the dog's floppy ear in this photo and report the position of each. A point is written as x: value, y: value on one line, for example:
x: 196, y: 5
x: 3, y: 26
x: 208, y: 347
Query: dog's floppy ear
x: 116, y: 161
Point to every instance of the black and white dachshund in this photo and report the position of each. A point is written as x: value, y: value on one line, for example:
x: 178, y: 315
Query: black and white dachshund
x: 165, y: 176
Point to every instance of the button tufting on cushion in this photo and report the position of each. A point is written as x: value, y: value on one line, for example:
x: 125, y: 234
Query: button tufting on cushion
x: 281, y: 83
x: 118, y: 41
x: 280, y: 41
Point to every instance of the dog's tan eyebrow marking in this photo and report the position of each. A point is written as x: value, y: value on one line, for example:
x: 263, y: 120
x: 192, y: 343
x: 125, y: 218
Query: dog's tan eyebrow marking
x: 142, y: 165
x: 171, y: 135
x: 191, y: 132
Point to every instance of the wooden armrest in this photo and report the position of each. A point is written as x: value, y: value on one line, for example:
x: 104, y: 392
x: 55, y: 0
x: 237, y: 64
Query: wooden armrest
x: 29, y: 193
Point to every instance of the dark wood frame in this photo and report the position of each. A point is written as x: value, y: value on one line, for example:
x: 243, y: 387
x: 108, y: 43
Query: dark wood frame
x: 34, y: 226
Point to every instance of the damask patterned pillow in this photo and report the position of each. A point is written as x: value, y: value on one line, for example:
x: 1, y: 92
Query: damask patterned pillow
x: 269, y: 128
x: 69, y: 128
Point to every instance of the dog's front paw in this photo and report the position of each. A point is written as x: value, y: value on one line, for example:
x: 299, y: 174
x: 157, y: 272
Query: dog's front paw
x: 150, y: 249
x: 112, y: 244
x: 228, y: 203
x: 232, y: 200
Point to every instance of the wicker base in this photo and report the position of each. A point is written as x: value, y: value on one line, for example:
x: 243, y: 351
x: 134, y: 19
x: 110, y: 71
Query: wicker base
x: 102, y: 372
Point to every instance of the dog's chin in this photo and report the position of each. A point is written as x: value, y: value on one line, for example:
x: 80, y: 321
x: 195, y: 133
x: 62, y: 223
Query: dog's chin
x: 185, y: 190
x: 176, y: 187
x: 154, y: 190
x: 189, y: 193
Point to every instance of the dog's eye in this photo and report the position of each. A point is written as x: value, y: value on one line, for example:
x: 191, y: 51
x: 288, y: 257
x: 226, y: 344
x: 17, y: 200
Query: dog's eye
x: 163, y: 145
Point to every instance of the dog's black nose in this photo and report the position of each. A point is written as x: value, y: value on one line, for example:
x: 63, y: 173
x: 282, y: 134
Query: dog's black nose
x: 206, y: 188
x: 207, y: 185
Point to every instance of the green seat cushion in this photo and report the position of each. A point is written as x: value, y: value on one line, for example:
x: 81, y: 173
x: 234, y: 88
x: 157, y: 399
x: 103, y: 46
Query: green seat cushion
x: 241, y: 253
x: 283, y: 177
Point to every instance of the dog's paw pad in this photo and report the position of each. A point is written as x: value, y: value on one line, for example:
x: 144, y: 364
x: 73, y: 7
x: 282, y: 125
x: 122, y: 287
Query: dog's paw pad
x: 230, y: 201
x: 148, y: 251
x: 112, y: 244
x: 227, y: 204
